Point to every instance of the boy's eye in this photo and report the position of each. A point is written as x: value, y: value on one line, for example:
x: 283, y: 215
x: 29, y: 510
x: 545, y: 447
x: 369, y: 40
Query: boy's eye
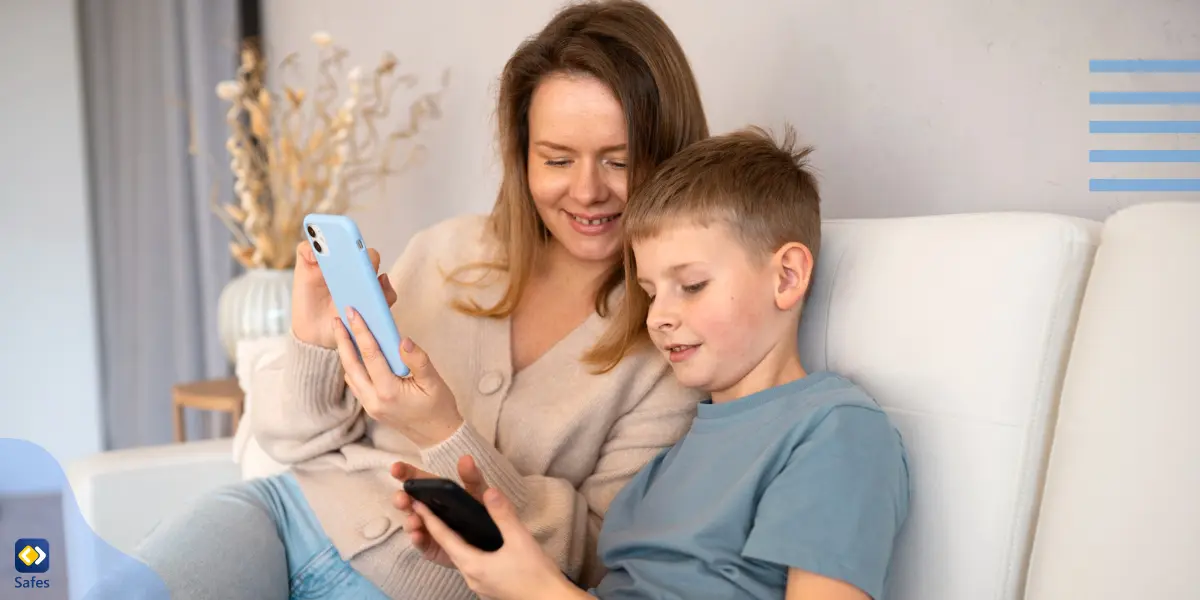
x: 695, y: 287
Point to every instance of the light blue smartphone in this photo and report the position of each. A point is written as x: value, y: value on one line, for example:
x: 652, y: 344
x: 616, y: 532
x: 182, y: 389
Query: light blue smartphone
x: 352, y: 281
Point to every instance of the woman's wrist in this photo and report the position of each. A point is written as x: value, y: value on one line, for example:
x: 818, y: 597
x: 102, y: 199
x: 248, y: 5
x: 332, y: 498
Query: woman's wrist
x: 435, y: 431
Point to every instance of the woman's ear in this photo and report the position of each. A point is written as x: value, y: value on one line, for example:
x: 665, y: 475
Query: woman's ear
x: 794, y: 266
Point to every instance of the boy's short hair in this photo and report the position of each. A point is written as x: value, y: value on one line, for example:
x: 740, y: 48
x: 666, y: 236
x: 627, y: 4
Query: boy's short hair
x: 761, y: 189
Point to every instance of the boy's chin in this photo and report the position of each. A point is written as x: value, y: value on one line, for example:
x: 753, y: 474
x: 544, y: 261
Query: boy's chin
x: 697, y: 379
x: 710, y: 382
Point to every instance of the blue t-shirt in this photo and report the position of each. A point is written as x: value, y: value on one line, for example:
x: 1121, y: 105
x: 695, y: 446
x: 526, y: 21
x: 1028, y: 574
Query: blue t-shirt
x: 810, y: 474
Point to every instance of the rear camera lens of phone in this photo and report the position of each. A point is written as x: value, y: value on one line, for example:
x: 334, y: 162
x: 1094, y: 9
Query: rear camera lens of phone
x: 317, y: 245
x: 312, y: 232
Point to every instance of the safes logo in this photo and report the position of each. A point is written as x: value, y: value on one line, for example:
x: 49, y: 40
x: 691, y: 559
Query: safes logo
x: 32, y: 555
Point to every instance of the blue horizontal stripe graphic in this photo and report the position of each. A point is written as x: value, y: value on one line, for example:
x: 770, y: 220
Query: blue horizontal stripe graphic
x: 1145, y: 66
x: 1144, y: 185
x: 1145, y: 97
x: 1144, y: 126
x: 1144, y: 156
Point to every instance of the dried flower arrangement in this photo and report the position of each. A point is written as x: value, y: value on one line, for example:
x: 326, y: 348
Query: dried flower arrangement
x: 292, y: 154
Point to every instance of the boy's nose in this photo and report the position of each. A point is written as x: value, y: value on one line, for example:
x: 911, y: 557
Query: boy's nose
x: 662, y: 319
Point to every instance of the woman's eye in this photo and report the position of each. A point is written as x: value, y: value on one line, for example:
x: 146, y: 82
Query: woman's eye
x: 695, y: 287
x: 562, y: 162
x: 617, y: 164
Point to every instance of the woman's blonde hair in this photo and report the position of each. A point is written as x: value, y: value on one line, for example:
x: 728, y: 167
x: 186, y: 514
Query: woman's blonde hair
x: 628, y: 47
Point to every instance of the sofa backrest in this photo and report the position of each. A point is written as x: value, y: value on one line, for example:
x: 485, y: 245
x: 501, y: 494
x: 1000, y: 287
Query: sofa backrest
x: 959, y: 327
x: 1121, y: 511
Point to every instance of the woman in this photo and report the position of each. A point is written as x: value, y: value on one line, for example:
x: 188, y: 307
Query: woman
x: 505, y: 306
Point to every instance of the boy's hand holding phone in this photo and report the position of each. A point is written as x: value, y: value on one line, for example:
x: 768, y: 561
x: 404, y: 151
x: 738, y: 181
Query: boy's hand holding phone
x: 519, y: 570
x: 421, y: 406
x: 312, y: 304
x: 472, y: 482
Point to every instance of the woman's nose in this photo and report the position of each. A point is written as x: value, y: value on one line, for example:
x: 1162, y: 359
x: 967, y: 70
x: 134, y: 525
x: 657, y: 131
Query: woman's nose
x: 587, y: 187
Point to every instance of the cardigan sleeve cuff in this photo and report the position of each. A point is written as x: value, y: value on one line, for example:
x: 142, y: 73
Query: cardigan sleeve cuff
x: 317, y: 380
x: 442, y: 461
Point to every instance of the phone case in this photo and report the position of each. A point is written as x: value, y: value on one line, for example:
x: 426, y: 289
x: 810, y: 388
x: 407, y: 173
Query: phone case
x: 458, y: 510
x: 352, y: 281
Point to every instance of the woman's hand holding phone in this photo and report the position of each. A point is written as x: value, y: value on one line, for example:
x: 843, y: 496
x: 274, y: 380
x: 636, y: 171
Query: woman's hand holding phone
x: 313, y: 306
x: 421, y: 405
x: 332, y: 291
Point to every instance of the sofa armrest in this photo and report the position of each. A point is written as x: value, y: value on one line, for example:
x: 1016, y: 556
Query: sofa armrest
x: 122, y: 494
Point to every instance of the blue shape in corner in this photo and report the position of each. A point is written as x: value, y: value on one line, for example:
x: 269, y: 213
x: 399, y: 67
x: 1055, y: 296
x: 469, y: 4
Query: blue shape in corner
x: 1144, y: 127
x: 1144, y: 156
x: 87, y: 566
x: 1144, y: 185
x: 1144, y: 98
x: 1144, y: 66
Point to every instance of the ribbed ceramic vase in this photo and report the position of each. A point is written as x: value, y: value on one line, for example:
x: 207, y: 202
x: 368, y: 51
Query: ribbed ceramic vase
x: 257, y: 303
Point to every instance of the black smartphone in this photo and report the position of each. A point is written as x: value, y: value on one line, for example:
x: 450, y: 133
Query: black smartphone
x: 458, y: 510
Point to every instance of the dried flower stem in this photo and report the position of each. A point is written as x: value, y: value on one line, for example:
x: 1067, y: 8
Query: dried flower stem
x: 292, y: 154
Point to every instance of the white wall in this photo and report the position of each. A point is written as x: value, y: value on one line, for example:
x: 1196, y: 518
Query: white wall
x: 920, y: 107
x: 49, y: 387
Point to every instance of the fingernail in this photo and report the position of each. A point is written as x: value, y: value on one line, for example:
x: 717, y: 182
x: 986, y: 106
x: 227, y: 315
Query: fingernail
x: 491, y: 497
x: 407, y: 344
x: 352, y: 314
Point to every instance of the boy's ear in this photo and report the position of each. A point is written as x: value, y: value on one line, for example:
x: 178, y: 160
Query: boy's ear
x: 794, y: 267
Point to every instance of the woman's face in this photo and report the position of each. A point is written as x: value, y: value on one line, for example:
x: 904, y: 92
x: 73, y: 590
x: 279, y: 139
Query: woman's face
x: 577, y: 154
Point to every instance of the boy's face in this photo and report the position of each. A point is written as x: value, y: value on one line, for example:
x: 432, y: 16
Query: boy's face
x: 713, y: 309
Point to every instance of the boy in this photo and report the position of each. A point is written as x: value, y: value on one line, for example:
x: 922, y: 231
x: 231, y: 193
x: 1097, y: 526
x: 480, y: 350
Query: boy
x: 788, y: 484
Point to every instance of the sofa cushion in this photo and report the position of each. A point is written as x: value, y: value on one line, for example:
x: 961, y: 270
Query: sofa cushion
x: 250, y: 457
x: 1122, y: 498
x: 958, y: 326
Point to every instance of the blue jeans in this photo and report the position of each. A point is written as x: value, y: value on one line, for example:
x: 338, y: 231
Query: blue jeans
x: 255, y: 539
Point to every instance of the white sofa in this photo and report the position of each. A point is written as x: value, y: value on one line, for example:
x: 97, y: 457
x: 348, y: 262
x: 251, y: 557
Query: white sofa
x: 1039, y: 367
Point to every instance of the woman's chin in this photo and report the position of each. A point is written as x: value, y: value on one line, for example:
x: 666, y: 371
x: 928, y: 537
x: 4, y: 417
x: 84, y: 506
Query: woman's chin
x: 591, y: 248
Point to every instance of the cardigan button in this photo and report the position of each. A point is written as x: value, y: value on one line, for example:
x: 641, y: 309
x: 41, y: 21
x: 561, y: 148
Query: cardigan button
x: 375, y: 527
x: 490, y: 382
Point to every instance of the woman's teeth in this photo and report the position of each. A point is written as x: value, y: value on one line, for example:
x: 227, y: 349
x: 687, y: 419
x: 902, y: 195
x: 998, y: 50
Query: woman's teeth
x: 599, y: 221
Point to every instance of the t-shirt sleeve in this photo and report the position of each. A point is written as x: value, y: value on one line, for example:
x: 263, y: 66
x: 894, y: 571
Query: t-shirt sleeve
x: 836, y: 507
